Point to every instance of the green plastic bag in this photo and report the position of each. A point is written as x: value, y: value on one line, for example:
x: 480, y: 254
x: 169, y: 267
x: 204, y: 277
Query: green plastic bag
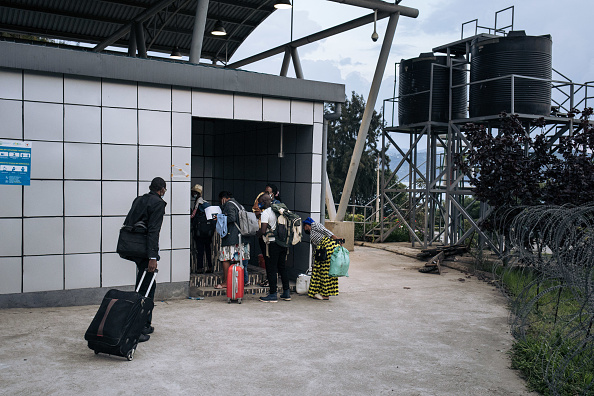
x: 339, y: 262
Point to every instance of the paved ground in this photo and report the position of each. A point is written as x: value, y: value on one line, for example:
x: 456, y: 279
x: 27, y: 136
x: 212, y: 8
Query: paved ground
x: 391, y: 331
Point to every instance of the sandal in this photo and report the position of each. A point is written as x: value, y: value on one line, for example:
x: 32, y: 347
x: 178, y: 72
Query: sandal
x: 219, y: 286
x: 264, y: 283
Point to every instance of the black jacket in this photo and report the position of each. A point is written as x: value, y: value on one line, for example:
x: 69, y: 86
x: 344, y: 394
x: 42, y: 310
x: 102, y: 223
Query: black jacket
x: 149, y: 208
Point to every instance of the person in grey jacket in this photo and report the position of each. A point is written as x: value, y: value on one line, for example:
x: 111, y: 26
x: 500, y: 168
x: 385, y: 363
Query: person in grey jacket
x: 231, y: 249
x: 149, y: 208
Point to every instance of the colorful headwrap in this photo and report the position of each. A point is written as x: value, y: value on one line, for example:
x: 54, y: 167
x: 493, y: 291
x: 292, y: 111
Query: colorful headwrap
x: 309, y: 221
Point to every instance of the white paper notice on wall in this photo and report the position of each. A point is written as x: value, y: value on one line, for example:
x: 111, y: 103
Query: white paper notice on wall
x: 180, y: 172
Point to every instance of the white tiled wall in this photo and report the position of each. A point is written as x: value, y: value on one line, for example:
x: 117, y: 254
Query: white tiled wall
x: 82, y: 90
x: 110, y: 228
x: 181, y: 100
x: 42, y: 273
x: 47, y: 160
x: 12, y: 234
x: 44, y: 198
x: 12, y: 84
x: 179, y: 268
x: 11, y: 114
x: 212, y: 105
x: 119, y: 125
x: 10, y: 275
x: 82, y: 161
x: 247, y: 107
x: 44, y: 121
x: 82, y: 234
x: 301, y: 112
x: 43, y: 87
x: 116, y: 271
x: 96, y: 146
x: 82, y: 198
x: 153, y: 97
x: 154, y: 161
x: 120, y: 162
x: 276, y: 110
x: 12, y: 201
x: 82, y: 270
x: 43, y: 235
x: 117, y: 197
x: 119, y: 94
x: 82, y: 124
x: 154, y: 128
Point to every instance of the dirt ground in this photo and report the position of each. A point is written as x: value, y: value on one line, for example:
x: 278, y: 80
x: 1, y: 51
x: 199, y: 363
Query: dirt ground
x: 391, y: 331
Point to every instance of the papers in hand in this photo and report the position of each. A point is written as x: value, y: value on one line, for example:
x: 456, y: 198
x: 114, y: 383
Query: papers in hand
x: 212, y: 210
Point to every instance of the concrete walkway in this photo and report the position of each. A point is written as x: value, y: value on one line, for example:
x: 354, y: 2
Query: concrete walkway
x: 391, y: 331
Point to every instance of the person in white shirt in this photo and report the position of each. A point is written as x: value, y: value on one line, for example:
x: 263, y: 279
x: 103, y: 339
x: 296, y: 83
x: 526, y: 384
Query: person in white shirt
x: 276, y: 255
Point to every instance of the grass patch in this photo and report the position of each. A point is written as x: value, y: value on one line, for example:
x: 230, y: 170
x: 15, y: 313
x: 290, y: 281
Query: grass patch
x: 555, y: 353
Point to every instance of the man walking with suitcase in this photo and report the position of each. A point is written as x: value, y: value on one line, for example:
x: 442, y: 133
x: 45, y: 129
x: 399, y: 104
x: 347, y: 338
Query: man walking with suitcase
x: 149, y: 208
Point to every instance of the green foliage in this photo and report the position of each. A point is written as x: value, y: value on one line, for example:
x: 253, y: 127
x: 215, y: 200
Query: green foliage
x: 342, y: 136
x: 551, y: 358
x: 511, y: 168
x: 400, y: 234
x: 535, y: 356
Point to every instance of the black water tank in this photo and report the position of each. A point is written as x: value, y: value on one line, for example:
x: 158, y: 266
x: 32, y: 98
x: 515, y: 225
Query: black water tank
x: 514, y: 54
x: 415, y: 77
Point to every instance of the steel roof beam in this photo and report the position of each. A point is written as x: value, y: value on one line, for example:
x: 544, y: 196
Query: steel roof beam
x: 382, y: 6
x: 355, y: 23
x: 140, y: 18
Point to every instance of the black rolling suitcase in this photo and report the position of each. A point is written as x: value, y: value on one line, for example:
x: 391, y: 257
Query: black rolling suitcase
x: 119, y: 321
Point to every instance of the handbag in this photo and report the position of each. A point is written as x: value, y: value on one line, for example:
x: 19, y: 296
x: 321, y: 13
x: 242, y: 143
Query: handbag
x: 132, y: 242
x: 221, y: 226
x: 321, y: 254
x: 339, y: 262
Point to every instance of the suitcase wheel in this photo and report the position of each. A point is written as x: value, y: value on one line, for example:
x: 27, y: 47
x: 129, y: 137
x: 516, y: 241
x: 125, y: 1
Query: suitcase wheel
x: 239, y: 301
x: 130, y: 354
x: 96, y: 352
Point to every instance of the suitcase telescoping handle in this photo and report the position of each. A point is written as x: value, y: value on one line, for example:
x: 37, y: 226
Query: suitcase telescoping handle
x: 151, y: 284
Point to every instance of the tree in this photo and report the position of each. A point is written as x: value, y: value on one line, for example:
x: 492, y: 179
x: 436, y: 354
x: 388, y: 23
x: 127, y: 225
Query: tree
x: 342, y: 136
x: 512, y: 169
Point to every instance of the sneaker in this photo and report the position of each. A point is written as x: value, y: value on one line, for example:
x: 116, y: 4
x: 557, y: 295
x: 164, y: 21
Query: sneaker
x: 269, y: 298
x: 286, y: 295
x: 148, y: 330
x: 144, y: 337
x: 318, y: 297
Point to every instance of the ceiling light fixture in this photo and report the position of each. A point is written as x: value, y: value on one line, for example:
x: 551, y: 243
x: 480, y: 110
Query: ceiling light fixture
x: 175, y: 54
x: 283, y: 4
x: 219, y: 29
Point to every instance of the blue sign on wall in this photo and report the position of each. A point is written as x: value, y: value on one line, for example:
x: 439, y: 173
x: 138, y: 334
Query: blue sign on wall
x: 15, y: 162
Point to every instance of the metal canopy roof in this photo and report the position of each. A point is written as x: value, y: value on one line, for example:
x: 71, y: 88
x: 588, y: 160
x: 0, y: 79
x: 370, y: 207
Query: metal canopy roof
x: 166, y: 23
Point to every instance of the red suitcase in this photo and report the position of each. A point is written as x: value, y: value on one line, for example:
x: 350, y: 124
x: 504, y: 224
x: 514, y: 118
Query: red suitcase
x: 235, y: 283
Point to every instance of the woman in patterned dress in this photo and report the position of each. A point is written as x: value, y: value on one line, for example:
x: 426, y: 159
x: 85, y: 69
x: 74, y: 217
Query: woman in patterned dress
x: 321, y: 286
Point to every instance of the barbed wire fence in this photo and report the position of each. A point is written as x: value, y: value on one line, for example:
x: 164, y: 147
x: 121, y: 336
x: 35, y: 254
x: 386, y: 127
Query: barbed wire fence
x: 548, y: 276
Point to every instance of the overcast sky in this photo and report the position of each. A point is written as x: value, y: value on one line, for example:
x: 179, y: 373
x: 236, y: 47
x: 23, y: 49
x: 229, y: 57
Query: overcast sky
x: 350, y: 58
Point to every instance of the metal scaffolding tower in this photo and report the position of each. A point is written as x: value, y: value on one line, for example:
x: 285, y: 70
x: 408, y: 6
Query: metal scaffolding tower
x: 434, y: 200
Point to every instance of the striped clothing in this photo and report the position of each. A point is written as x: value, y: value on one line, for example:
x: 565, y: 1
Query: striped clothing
x: 318, y: 232
x: 320, y: 282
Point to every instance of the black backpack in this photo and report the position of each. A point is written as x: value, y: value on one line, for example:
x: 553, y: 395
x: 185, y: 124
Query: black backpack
x: 202, y: 226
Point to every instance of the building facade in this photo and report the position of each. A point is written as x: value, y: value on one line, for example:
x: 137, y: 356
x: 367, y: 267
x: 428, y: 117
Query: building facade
x: 102, y: 126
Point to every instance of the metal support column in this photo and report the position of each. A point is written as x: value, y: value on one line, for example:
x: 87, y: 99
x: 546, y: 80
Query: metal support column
x: 296, y: 63
x: 286, y: 62
x: 139, y: 29
x: 198, y: 32
x: 366, y: 121
x: 132, y: 43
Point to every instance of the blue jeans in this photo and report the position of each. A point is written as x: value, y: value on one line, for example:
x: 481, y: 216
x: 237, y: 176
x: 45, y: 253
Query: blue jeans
x: 245, y: 272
